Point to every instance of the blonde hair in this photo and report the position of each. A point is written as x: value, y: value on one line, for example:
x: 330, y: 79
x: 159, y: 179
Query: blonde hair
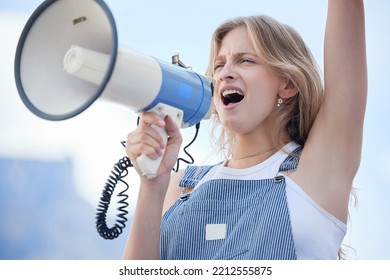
x: 280, y: 48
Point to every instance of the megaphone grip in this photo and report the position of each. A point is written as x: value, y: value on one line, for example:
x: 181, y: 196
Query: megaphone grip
x: 148, y: 166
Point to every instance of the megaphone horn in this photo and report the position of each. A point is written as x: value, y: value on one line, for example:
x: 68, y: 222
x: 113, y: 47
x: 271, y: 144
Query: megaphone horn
x: 68, y: 57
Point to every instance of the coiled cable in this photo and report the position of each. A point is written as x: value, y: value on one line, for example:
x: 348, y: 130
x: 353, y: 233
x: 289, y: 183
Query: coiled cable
x: 117, y: 174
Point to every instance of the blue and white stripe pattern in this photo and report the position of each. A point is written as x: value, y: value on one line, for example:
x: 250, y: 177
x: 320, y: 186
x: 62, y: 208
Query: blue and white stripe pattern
x: 254, y: 213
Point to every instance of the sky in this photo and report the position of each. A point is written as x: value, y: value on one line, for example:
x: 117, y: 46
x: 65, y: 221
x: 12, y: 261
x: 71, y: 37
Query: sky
x: 163, y: 28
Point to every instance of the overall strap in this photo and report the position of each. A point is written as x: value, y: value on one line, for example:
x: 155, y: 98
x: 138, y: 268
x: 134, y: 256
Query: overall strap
x: 291, y: 162
x: 193, y: 174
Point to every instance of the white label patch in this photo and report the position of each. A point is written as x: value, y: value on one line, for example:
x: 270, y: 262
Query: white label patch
x: 215, y: 231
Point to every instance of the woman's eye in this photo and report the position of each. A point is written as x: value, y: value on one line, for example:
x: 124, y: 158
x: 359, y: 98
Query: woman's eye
x: 247, y: 60
x: 218, y: 66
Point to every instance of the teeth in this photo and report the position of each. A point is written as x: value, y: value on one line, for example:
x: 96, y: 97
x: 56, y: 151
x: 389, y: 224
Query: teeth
x: 232, y: 96
x: 231, y: 91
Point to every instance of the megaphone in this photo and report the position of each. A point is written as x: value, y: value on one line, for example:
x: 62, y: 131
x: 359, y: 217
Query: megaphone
x: 68, y: 57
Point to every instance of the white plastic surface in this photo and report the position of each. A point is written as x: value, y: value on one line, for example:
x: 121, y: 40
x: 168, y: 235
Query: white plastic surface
x: 135, y: 81
x: 86, y: 64
x: 148, y: 166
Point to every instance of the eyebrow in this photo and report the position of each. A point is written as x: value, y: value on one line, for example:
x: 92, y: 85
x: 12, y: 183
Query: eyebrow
x: 236, y: 55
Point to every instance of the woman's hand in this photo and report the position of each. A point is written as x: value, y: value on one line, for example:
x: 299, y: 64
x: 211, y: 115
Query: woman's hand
x: 145, y: 140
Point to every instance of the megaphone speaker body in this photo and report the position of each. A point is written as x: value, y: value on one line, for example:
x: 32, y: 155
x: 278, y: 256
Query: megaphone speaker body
x: 68, y: 57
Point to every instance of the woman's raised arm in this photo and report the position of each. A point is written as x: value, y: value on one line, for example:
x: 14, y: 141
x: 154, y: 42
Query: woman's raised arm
x: 332, y: 152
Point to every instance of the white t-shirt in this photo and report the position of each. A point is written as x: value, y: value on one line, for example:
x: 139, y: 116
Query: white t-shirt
x: 316, y: 233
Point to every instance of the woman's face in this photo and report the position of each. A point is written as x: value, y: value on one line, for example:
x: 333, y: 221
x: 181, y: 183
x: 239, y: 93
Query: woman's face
x: 246, y: 91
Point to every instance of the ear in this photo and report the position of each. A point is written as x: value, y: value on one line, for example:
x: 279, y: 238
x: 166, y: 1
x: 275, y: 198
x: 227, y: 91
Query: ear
x: 287, y: 89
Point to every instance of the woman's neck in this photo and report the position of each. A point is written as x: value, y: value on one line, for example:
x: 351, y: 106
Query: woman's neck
x: 249, y: 151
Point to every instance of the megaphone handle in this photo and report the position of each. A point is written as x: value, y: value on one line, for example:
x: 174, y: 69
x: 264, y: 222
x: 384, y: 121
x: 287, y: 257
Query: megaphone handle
x: 148, y: 166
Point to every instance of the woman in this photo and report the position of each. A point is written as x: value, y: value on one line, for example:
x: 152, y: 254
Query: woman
x: 292, y: 145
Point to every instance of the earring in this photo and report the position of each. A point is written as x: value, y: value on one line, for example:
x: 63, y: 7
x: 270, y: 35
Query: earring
x: 280, y: 101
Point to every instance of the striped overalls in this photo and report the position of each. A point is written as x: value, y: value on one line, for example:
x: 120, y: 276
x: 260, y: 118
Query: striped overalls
x: 229, y: 219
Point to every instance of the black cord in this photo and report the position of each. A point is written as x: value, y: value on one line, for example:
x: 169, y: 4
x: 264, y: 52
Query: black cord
x: 120, y: 171
x: 191, y: 161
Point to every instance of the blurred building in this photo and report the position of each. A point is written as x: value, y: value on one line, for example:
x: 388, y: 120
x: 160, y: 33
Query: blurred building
x: 42, y: 216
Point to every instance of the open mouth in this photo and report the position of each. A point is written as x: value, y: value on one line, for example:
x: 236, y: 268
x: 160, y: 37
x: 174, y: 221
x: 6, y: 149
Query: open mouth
x: 232, y: 96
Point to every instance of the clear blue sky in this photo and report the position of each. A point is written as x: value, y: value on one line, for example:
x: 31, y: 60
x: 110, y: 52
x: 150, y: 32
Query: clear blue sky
x: 162, y: 28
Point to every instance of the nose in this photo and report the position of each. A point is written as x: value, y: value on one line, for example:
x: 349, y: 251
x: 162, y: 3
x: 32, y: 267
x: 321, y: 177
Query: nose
x: 227, y: 72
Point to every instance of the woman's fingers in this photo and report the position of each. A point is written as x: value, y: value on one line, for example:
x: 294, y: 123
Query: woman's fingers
x: 145, y: 139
